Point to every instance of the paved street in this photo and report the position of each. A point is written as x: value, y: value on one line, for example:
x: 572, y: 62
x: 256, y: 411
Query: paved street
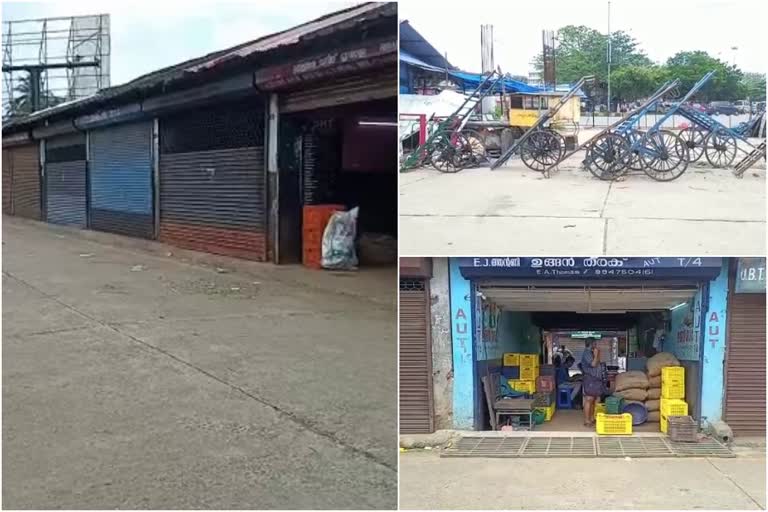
x: 429, y: 482
x: 136, y: 378
x: 516, y: 210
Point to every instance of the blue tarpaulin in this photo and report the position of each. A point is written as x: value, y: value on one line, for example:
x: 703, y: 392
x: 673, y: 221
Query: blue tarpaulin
x: 471, y: 81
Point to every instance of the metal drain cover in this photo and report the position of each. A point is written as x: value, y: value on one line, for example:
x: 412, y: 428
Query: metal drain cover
x: 581, y: 446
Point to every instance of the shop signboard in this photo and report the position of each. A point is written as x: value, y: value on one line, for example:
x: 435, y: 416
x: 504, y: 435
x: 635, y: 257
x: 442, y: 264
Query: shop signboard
x: 603, y: 268
x: 750, y: 275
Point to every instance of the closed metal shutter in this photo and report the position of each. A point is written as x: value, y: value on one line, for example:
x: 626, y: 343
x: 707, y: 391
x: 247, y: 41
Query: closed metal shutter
x: 212, y: 180
x: 7, y: 182
x: 65, y: 180
x: 26, y: 181
x: 416, y: 405
x: 745, y: 364
x: 359, y: 88
x: 121, y: 179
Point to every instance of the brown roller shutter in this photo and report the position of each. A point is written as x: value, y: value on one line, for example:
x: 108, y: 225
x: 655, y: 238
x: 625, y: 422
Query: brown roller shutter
x: 371, y: 86
x: 26, y: 181
x: 745, y: 364
x: 7, y: 182
x: 416, y: 408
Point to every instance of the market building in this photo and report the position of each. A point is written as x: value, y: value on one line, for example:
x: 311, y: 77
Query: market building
x: 459, y: 316
x: 223, y: 152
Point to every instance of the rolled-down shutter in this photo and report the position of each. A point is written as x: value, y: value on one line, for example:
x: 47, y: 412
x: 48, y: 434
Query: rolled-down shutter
x: 65, y: 180
x: 416, y: 406
x: 7, y: 179
x: 121, y: 179
x: 745, y: 364
x: 354, y: 89
x: 26, y: 181
x: 212, y: 180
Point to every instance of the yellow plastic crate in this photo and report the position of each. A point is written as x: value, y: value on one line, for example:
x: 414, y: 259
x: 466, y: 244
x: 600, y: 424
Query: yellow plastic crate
x: 524, y: 386
x: 529, y: 372
x: 614, y: 424
x: 673, y: 407
x: 511, y: 359
x: 548, y: 412
x: 600, y: 408
x: 673, y: 373
x: 529, y: 360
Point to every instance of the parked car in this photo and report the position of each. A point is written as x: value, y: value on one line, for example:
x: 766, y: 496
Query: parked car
x: 697, y: 106
x: 743, y: 106
x: 722, y: 107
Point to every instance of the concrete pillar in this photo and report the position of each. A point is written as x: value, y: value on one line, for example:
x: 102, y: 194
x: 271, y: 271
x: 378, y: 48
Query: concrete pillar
x: 442, y: 352
x: 713, y: 360
x: 463, y: 349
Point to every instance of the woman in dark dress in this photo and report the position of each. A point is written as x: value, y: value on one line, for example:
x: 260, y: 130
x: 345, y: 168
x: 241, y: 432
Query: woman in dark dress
x: 592, y: 384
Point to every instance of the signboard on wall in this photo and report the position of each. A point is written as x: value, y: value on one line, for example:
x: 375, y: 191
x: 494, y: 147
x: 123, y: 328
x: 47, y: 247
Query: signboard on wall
x: 591, y: 268
x: 750, y: 275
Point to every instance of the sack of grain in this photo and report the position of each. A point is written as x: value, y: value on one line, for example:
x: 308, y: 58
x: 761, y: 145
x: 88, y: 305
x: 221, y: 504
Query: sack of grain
x: 654, y: 382
x: 633, y: 394
x: 654, y: 393
x: 652, y: 405
x: 653, y: 416
x: 631, y: 379
x: 659, y: 361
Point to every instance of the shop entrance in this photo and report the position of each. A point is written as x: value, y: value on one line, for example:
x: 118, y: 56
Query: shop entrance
x: 341, y: 155
x: 629, y: 324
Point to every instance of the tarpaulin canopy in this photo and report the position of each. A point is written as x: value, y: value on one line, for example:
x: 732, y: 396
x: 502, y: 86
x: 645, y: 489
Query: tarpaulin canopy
x: 471, y: 81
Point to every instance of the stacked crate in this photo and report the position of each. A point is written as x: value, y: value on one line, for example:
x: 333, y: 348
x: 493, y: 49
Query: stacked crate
x: 521, y: 371
x: 314, y: 220
x: 672, y: 395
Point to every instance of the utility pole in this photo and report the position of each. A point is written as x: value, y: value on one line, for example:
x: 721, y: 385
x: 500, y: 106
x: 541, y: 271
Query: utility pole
x: 609, y: 58
x: 487, y: 65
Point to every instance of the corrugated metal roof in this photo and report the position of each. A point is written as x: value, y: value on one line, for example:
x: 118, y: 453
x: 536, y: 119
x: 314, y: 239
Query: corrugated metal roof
x: 327, y: 24
x: 294, y: 35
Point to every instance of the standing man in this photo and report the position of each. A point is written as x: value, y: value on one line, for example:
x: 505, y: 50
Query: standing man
x: 592, y: 382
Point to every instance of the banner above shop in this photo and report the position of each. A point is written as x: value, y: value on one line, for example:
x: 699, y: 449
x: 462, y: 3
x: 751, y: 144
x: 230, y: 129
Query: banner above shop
x: 750, y: 276
x: 636, y: 269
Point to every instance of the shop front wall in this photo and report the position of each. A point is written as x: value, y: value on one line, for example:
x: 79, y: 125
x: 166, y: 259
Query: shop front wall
x: 713, y: 348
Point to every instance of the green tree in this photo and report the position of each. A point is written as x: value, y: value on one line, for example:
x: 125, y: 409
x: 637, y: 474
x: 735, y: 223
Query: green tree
x: 631, y: 83
x: 754, y: 86
x: 21, y: 104
x: 583, y: 51
x: 689, y: 67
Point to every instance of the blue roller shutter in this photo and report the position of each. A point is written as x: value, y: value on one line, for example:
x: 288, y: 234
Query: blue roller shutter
x: 121, y: 179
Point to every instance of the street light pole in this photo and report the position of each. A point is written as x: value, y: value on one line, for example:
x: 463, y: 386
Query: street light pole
x: 609, y: 58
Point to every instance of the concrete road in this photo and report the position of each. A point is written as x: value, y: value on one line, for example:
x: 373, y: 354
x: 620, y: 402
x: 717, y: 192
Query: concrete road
x: 515, y: 210
x: 133, y: 379
x: 429, y: 482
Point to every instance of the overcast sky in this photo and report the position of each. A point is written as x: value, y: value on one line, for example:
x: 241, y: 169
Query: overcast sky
x: 663, y: 27
x: 146, y: 36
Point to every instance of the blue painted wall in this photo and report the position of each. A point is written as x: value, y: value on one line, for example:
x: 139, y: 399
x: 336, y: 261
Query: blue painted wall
x: 462, y: 329
x: 713, y: 357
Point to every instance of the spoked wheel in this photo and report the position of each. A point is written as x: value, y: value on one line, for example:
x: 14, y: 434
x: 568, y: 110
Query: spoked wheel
x: 542, y: 149
x: 694, y: 140
x: 720, y: 148
x: 471, y: 148
x: 665, y: 155
x: 636, y: 163
x: 608, y: 157
x: 445, y: 158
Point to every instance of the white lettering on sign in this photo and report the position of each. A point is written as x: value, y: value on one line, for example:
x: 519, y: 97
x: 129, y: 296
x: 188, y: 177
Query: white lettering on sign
x: 603, y: 262
x: 496, y: 262
x: 752, y: 274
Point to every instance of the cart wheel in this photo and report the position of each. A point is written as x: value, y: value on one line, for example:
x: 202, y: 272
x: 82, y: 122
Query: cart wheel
x: 446, y: 159
x: 608, y: 157
x: 665, y: 155
x: 720, y: 148
x: 472, y: 149
x: 636, y: 163
x: 541, y: 150
x: 694, y: 141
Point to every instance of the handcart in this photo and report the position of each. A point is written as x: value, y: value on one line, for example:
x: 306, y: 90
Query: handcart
x: 541, y: 146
